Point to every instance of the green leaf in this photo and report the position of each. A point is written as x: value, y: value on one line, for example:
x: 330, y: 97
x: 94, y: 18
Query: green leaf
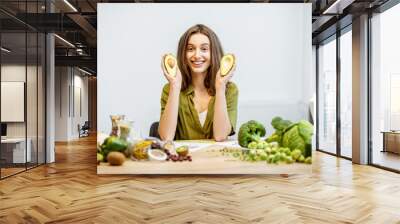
x: 306, y: 130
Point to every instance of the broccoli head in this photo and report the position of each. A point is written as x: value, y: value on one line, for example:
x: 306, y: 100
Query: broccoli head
x: 250, y: 131
x: 279, y: 124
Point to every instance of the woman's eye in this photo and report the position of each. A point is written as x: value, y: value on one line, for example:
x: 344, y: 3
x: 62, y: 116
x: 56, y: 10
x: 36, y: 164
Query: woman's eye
x: 204, y: 49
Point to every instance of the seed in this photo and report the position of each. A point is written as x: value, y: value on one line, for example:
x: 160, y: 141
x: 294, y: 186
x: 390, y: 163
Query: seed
x: 170, y: 62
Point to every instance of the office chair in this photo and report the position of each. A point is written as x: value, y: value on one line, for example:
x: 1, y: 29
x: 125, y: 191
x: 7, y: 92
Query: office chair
x: 154, y: 130
x: 84, y: 130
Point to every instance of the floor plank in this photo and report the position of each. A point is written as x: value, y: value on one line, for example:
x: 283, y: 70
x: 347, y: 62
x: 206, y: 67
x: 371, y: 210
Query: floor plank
x: 70, y: 191
x: 387, y: 159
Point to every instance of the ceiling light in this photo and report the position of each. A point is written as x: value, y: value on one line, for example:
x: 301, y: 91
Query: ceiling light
x: 84, y: 71
x: 79, y: 51
x: 338, y: 6
x: 70, y: 5
x: 5, y: 50
x: 64, y: 40
x: 331, y: 7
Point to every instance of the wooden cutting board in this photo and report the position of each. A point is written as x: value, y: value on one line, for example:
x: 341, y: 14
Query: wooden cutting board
x: 209, y: 160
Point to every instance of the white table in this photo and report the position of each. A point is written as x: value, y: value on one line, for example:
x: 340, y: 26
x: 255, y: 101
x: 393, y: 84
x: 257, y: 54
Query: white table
x: 19, y: 149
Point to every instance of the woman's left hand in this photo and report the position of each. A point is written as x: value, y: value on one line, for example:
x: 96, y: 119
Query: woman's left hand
x: 221, y: 81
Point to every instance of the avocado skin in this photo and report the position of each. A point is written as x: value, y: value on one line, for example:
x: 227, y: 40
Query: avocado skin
x: 113, y: 144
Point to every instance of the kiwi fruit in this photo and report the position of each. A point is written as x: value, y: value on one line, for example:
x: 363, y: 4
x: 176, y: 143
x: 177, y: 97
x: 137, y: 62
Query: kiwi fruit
x: 116, y: 158
x: 183, y: 150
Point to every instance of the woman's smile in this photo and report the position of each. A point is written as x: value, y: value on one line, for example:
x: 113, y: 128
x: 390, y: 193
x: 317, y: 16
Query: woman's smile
x: 198, y: 53
x: 198, y: 63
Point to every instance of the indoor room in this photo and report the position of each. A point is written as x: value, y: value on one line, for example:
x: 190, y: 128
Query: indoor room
x: 157, y: 111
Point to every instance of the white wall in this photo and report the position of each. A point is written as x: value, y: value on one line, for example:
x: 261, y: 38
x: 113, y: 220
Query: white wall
x: 34, y: 125
x: 16, y: 73
x: 68, y: 81
x: 80, y: 84
x: 272, y: 43
x: 12, y: 73
x: 61, y: 103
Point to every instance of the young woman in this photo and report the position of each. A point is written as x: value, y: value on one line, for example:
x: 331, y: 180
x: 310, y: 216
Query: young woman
x: 198, y: 103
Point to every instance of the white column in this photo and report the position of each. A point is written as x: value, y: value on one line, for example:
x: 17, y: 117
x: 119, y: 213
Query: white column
x: 50, y: 92
x: 50, y: 100
x: 360, y: 90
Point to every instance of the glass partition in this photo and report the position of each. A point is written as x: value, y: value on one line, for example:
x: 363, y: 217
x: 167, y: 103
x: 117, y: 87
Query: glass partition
x: 13, y: 109
x: 327, y: 96
x: 346, y: 94
x: 22, y: 88
x: 385, y: 89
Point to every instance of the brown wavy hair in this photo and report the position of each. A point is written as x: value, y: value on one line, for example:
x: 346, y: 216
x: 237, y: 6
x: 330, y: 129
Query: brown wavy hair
x: 216, y: 55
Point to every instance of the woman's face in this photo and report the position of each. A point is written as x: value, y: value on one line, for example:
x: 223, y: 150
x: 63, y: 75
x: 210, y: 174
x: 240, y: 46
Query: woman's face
x: 198, y: 53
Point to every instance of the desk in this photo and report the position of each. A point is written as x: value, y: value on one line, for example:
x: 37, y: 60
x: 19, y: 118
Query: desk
x: 391, y: 141
x: 17, y: 150
x: 208, y: 160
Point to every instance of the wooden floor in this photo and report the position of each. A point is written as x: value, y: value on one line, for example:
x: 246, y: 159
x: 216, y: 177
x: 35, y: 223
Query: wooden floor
x: 387, y: 159
x: 70, y: 191
x: 5, y: 172
x: 10, y: 171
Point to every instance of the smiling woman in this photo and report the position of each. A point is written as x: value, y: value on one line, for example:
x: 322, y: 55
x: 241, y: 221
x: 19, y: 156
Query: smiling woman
x: 198, y: 102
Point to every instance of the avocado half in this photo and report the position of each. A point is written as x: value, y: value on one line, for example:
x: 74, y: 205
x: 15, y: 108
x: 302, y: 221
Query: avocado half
x: 170, y: 64
x: 227, y: 63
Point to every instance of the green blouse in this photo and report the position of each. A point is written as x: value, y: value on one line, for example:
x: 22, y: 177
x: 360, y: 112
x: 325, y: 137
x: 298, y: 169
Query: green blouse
x: 188, y: 126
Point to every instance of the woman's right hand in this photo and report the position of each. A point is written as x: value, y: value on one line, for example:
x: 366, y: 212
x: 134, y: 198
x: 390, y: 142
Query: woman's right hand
x: 174, y: 81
